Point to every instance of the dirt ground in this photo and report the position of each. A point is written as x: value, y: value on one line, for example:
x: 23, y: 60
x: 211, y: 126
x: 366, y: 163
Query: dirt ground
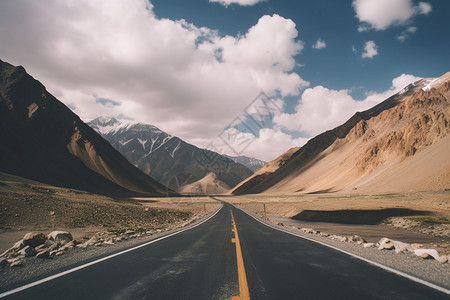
x: 422, y: 217
x: 27, y: 205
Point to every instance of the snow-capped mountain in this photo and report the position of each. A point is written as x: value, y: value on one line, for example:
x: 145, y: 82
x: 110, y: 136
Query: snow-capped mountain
x: 251, y: 163
x: 167, y: 158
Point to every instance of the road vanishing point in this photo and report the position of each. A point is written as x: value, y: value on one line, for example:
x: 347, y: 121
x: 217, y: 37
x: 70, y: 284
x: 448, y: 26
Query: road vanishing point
x: 231, y: 255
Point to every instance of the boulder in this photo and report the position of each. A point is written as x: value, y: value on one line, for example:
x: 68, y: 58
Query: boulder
x: 386, y: 244
x: 401, y: 247
x: 18, y: 245
x: 357, y: 239
x: 368, y: 245
x: 42, y: 254
x: 427, y: 253
x: 15, y: 262
x: 62, y: 237
x: 27, y: 251
x: 415, y: 246
x: 34, y: 239
x: 443, y: 259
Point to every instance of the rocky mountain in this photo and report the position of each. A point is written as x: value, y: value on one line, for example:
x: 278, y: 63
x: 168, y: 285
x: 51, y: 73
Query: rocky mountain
x: 43, y: 140
x: 401, y: 144
x: 251, y: 163
x: 167, y: 158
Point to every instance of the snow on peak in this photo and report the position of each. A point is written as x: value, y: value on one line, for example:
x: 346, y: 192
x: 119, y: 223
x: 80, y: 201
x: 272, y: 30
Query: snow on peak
x: 435, y: 82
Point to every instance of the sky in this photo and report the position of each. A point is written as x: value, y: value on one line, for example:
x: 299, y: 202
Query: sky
x: 241, y: 77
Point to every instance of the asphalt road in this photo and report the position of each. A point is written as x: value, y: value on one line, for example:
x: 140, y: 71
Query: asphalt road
x: 200, y: 263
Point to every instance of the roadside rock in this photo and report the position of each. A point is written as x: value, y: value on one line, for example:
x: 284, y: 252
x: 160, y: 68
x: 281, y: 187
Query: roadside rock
x: 401, y: 247
x: 27, y: 251
x: 415, y: 246
x: 386, y: 244
x: 368, y: 245
x: 42, y: 254
x: 357, y: 239
x: 443, y: 259
x: 308, y: 230
x: 34, y: 239
x: 15, y: 262
x: 426, y: 253
x: 62, y: 237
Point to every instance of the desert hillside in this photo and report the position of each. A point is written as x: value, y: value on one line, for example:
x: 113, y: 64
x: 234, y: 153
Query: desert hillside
x: 399, y: 145
x: 42, y: 139
x: 208, y: 185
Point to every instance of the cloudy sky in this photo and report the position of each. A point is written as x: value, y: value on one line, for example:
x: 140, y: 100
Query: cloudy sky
x: 245, y: 77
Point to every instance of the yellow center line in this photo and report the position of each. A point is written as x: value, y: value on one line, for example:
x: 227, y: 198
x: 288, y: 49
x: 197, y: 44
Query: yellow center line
x: 243, y: 286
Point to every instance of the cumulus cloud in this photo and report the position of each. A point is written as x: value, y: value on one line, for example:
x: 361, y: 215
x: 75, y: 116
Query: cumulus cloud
x: 187, y: 80
x: 321, y: 109
x: 370, y: 50
x: 381, y: 14
x: 240, y: 2
x: 320, y: 44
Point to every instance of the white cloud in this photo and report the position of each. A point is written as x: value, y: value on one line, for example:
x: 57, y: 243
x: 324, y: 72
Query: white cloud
x: 320, y: 44
x: 370, y: 50
x: 187, y: 80
x: 240, y: 2
x: 406, y: 33
x: 321, y: 109
x: 424, y: 8
x: 381, y: 14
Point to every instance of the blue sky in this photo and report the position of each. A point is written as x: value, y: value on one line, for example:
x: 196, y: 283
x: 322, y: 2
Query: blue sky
x: 425, y: 53
x: 197, y: 68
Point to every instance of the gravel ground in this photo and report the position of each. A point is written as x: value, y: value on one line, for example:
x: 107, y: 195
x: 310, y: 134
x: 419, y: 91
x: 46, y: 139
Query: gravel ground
x: 429, y: 270
x: 35, y: 268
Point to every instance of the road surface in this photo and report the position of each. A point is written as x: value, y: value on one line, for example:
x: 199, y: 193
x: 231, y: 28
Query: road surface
x: 202, y: 263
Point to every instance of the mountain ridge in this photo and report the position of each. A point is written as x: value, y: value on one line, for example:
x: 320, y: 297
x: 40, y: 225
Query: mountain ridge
x: 297, y: 173
x: 166, y: 158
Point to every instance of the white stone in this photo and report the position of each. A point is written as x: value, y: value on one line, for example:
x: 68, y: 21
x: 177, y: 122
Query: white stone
x: 431, y: 252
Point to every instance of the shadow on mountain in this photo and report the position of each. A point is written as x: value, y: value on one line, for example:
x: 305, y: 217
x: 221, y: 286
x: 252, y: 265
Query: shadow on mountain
x: 367, y: 217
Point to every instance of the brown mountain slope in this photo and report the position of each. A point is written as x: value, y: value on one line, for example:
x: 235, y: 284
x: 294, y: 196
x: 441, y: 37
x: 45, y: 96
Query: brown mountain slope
x: 208, y: 185
x: 43, y: 140
x: 399, y: 145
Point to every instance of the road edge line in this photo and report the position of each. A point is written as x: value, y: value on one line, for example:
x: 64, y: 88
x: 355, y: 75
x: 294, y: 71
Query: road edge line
x: 38, y: 282
x: 386, y: 268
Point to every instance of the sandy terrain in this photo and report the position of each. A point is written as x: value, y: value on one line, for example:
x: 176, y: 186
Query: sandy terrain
x: 411, y: 217
x: 27, y: 205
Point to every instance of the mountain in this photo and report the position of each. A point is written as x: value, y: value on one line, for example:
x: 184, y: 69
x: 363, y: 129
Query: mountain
x: 401, y: 144
x: 249, y: 162
x: 43, y: 140
x: 167, y: 158
x: 208, y: 185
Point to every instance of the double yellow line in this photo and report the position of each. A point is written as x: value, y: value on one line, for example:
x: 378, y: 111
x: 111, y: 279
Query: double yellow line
x: 243, y: 285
